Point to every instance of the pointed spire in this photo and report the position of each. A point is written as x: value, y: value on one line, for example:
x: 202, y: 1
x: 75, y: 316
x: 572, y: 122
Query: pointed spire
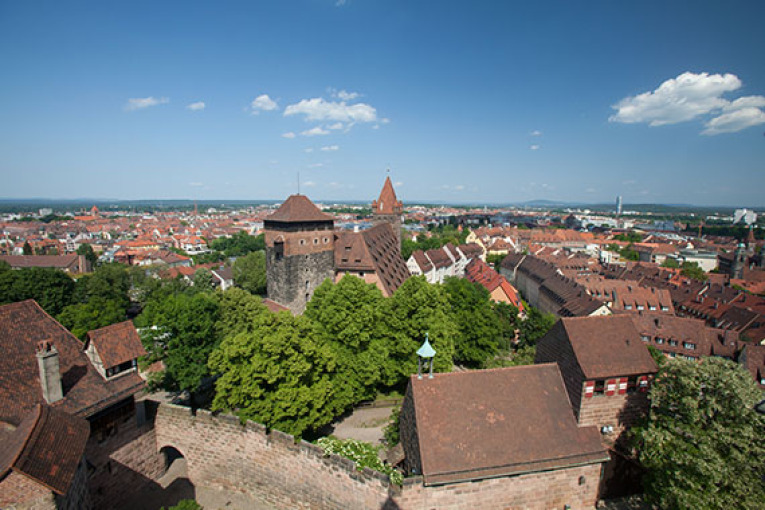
x: 388, y: 203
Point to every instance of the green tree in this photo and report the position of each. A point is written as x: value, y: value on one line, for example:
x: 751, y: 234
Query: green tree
x: 90, y: 255
x: 109, y: 282
x: 509, y: 323
x: 239, y: 244
x: 27, y: 249
x: 181, y: 330
x: 97, y: 313
x: 203, y: 280
x: 703, y: 443
x: 671, y: 263
x: 240, y: 312
x: 250, y: 272
x: 51, y: 288
x: 277, y: 373
x: 536, y: 325
x: 349, y: 317
x: 479, y: 327
x: 415, y: 309
x: 692, y: 270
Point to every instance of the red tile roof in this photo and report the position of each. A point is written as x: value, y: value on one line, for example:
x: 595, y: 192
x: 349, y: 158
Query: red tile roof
x: 47, y: 446
x: 116, y: 344
x: 22, y: 326
x: 298, y: 208
x: 488, y: 423
x: 607, y: 346
x: 375, y: 249
x: 387, y: 203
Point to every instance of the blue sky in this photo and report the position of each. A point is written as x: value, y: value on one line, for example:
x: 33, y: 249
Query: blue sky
x: 464, y: 101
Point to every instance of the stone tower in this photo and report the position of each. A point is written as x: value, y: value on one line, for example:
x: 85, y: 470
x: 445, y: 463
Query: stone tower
x: 388, y: 209
x: 739, y: 261
x: 300, y: 251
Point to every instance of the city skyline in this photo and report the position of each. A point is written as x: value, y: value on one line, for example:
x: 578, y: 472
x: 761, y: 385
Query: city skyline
x: 463, y: 102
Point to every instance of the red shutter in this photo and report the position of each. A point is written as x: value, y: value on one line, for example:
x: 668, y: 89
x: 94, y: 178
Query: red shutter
x: 643, y: 383
x: 589, y: 388
x: 622, y: 386
x: 610, y: 387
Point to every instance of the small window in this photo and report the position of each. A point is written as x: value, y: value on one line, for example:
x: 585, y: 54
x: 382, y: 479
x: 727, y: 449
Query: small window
x: 645, y: 338
x: 326, y: 240
x: 628, y: 307
x: 600, y: 387
x: 664, y: 308
x: 652, y: 308
x: 659, y: 340
x: 361, y: 273
x: 690, y: 358
x: 672, y: 355
x: 689, y: 346
x: 640, y: 307
x: 302, y: 242
x: 673, y: 343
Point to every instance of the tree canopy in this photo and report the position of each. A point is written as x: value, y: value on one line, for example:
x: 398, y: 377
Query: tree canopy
x: 250, y: 272
x: 703, y: 444
x: 278, y: 373
x: 239, y: 244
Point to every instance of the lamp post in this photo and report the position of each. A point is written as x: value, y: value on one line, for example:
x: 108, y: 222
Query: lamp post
x: 427, y: 353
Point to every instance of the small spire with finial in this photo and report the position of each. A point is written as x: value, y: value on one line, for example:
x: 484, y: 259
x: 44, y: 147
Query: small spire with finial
x: 426, y: 352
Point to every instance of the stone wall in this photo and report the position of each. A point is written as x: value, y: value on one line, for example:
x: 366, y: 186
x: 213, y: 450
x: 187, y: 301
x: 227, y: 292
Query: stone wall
x: 125, y: 460
x: 271, y: 468
x: 618, y: 411
x: 575, y: 486
x: 21, y: 492
x: 292, y: 279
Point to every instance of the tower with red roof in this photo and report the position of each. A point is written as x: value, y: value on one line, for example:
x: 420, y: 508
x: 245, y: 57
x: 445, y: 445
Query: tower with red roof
x: 388, y: 209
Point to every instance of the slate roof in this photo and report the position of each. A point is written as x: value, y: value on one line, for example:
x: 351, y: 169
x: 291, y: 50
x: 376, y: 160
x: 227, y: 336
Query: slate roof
x: 22, y: 326
x: 488, y: 423
x: 46, y: 446
x: 298, y: 208
x: 116, y: 344
x: 608, y: 346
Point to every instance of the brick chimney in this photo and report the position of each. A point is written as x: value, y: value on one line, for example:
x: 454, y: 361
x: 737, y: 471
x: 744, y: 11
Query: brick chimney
x: 50, y: 375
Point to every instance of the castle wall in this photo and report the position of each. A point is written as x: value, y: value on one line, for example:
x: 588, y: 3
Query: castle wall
x: 271, y: 468
x: 24, y: 493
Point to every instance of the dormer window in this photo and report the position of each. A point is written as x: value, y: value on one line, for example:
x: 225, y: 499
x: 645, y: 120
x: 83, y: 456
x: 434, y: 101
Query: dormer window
x: 659, y: 340
x: 689, y: 346
x: 673, y: 343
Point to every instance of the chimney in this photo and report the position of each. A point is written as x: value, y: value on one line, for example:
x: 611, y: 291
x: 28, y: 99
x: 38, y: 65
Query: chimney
x: 50, y: 375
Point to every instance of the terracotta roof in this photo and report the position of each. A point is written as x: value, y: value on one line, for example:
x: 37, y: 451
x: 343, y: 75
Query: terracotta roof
x: 439, y: 258
x: 375, y: 249
x: 116, y: 344
x: 298, y: 208
x: 422, y: 261
x: 351, y: 252
x: 274, y: 306
x: 57, y: 261
x: 470, y: 250
x: 22, y: 326
x: 387, y: 203
x: 676, y: 332
x: 47, y: 446
x: 488, y: 423
x: 753, y: 360
x: 608, y: 346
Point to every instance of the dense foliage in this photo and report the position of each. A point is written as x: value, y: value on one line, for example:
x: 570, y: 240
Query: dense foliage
x: 239, y: 244
x: 479, y: 334
x: 51, y: 288
x: 250, y: 272
x: 363, y: 454
x: 703, y: 444
x: 436, y: 238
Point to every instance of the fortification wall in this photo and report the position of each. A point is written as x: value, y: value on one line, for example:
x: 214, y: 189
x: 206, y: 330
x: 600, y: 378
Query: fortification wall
x: 272, y: 468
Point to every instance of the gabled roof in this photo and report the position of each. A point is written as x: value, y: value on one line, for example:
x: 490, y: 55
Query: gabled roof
x: 116, y: 344
x: 608, y: 346
x: 22, y: 326
x: 422, y: 261
x: 57, y: 261
x: 298, y: 208
x: 387, y: 203
x: 46, y: 446
x: 488, y: 423
x: 375, y: 249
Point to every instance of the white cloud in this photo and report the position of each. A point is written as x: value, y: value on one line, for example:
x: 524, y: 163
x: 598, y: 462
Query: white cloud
x: 459, y: 187
x: 734, y: 121
x: 196, y: 184
x: 329, y: 148
x: 317, y: 109
x: 308, y: 150
x: 315, y: 131
x: 746, y: 102
x: 536, y: 132
x: 398, y: 184
x: 309, y: 184
x: 534, y: 147
x: 385, y: 120
x: 316, y: 165
x: 346, y: 96
x: 139, y: 103
x: 195, y: 107
x: 336, y: 126
x: 677, y: 100
x: 262, y: 103
x: 288, y: 134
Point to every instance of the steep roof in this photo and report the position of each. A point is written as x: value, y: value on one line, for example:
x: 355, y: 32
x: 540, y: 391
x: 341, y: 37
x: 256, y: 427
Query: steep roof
x: 58, y: 261
x: 22, y: 326
x: 46, y: 446
x: 298, y: 208
x: 487, y: 423
x: 116, y: 344
x: 375, y: 249
x: 608, y: 346
x: 387, y: 203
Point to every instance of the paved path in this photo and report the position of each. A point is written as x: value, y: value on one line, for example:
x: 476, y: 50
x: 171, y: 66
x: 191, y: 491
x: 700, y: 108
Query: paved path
x: 364, y: 424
